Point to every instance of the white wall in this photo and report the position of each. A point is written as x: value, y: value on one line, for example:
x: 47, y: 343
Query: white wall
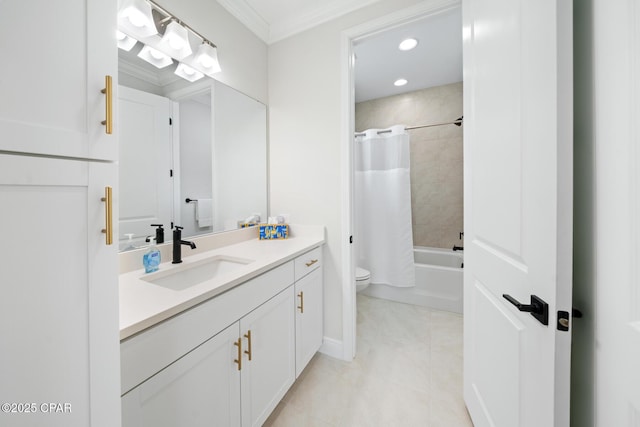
x: 305, y: 115
x: 242, y: 55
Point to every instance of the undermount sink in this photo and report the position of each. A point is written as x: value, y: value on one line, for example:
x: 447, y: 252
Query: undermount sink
x: 188, y: 275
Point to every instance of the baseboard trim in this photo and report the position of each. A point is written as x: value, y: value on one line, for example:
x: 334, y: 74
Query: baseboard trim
x: 333, y: 348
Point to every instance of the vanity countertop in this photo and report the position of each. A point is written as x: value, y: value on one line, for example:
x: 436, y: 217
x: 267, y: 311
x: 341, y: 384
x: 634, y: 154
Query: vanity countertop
x: 143, y: 304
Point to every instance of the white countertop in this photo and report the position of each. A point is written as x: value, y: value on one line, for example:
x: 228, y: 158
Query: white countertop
x: 143, y: 304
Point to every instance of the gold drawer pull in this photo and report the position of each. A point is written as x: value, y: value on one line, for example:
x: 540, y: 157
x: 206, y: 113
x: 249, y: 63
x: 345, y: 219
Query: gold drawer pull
x: 248, y: 337
x: 108, y: 213
x: 301, y: 306
x: 310, y: 263
x: 108, y: 91
x: 239, y: 359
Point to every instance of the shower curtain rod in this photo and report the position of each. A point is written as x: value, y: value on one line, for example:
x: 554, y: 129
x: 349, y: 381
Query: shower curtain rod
x: 456, y: 122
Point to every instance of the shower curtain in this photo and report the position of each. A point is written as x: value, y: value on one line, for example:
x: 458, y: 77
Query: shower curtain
x: 383, y: 207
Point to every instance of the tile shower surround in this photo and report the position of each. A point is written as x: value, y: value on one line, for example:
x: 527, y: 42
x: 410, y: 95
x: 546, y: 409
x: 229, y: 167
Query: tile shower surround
x: 436, y: 158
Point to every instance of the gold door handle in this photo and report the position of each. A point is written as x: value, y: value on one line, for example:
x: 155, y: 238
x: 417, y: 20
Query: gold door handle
x: 301, y: 306
x: 310, y: 263
x: 108, y: 91
x: 108, y: 214
x: 239, y: 359
x: 248, y: 337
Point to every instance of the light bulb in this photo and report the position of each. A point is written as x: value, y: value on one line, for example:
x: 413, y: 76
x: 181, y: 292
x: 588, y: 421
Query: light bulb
x: 206, y: 61
x: 156, y: 54
x: 175, y: 42
x: 137, y: 18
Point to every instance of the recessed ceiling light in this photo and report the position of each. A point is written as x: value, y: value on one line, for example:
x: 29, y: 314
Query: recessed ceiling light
x: 400, y: 82
x: 408, y: 44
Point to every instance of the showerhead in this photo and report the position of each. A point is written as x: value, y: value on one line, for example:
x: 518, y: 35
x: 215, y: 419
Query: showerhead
x: 458, y: 121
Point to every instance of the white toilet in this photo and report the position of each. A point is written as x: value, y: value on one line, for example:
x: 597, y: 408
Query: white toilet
x: 363, y: 278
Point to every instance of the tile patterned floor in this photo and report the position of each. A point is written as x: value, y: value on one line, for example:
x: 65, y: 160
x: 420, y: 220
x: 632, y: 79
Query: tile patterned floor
x: 407, y: 372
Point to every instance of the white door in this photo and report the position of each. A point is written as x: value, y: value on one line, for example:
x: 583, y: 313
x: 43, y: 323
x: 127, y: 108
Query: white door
x: 146, y: 162
x: 518, y: 209
x: 56, y: 56
x: 59, y: 310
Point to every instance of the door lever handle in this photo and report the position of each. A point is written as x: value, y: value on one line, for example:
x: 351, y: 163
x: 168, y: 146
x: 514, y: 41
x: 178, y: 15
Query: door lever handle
x: 538, y: 308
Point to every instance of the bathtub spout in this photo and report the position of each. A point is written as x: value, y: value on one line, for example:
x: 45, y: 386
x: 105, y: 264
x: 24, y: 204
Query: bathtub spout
x: 457, y: 248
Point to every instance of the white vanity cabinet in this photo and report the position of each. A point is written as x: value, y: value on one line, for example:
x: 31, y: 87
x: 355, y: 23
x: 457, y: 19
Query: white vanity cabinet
x: 185, y: 372
x: 202, y: 388
x: 308, y: 307
x: 59, y: 305
x: 58, y: 54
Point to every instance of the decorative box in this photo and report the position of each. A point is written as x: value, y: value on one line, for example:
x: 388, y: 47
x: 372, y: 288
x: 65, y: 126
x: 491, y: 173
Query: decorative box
x: 274, y: 231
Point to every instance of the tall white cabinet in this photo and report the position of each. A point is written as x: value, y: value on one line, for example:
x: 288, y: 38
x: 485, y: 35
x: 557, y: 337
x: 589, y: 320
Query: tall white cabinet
x: 59, y: 364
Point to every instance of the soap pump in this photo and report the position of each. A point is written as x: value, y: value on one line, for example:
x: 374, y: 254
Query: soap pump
x: 151, y: 259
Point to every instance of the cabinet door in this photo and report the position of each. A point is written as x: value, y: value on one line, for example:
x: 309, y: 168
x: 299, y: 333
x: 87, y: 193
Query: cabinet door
x: 271, y: 370
x: 201, y: 388
x: 57, y: 54
x: 59, y: 305
x: 309, y: 318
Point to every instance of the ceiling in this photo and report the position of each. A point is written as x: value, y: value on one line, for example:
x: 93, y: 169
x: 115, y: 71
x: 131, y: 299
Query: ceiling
x: 437, y: 60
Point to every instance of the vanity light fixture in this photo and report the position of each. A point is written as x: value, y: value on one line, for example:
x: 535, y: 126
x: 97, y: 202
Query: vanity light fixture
x: 206, y: 59
x: 188, y: 73
x: 136, y: 19
x: 169, y: 35
x: 124, y: 41
x: 408, y: 44
x: 155, y: 57
x: 175, y: 41
x: 400, y: 82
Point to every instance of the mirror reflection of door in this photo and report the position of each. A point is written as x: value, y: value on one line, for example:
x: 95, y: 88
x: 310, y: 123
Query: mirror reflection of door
x: 146, y: 159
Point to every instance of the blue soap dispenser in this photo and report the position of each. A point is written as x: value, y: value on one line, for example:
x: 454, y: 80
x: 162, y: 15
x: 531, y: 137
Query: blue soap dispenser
x: 151, y: 258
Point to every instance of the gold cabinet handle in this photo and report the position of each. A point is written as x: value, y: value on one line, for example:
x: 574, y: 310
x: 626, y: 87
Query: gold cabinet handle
x: 310, y: 263
x: 108, y: 91
x: 248, y: 337
x: 301, y: 306
x: 239, y: 359
x: 108, y: 214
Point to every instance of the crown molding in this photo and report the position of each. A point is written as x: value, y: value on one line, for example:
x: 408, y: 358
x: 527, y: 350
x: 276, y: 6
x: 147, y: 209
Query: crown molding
x: 294, y: 24
x: 290, y: 24
x: 249, y: 17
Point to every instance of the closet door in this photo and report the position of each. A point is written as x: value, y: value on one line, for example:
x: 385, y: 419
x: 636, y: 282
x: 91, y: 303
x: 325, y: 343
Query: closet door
x: 56, y: 56
x: 59, y: 305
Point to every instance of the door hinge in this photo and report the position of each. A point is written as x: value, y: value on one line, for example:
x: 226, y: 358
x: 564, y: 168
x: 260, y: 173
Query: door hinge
x: 351, y: 239
x: 171, y: 173
x: 170, y: 121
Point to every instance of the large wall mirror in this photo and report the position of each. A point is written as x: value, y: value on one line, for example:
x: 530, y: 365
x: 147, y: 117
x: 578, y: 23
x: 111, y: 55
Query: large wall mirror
x: 201, y: 141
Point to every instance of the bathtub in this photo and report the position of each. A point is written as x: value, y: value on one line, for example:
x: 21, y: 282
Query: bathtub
x: 438, y: 281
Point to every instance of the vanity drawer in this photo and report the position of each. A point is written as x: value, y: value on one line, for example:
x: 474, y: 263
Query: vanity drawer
x: 306, y: 263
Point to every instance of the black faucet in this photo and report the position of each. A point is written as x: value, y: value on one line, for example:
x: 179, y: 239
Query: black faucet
x: 457, y: 248
x: 177, y: 244
x: 159, y: 233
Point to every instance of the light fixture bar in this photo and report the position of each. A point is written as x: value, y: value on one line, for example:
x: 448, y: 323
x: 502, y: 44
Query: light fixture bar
x: 169, y: 16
